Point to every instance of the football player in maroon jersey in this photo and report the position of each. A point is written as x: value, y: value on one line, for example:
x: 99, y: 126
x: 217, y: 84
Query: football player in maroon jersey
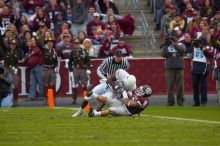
x: 128, y: 106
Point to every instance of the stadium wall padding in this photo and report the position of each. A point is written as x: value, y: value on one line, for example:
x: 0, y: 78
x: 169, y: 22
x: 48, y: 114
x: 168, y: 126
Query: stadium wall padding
x: 147, y: 71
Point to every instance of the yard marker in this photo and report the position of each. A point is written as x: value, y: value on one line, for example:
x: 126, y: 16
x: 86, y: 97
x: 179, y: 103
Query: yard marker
x: 50, y: 98
x: 86, y: 109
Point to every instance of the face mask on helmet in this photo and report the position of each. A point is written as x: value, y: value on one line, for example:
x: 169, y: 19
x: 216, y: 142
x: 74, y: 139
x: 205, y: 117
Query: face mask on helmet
x: 144, y: 90
x: 130, y: 83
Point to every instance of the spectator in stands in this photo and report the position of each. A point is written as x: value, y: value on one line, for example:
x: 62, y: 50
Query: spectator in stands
x: 197, y: 28
x: 165, y: 22
x: 2, y: 4
x: 65, y: 26
x: 22, y: 41
x: 6, y: 18
x: 33, y: 60
x: 6, y: 38
x: 187, y: 41
x: 125, y: 49
x: 59, y: 39
x: 13, y: 29
x: 115, y: 29
x: 157, y: 11
x: 162, y: 11
x: 173, y: 53
x: 91, y: 11
x: 64, y: 51
x: 177, y: 22
x: 207, y: 11
x: 189, y: 13
x: 79, y: 15
x: 216, y: 5
x: 40, y: 19
x: 59, y: 20
x: 215, y: 21
x: 22, y: 21
x: 105, y: 4
x: 92, y: 51
x: 95, y: 30
x: 52, y: 12
x: 105, y: 49
x: 30, y: 5
x: 81, y: 36
x: 110, y: 12
x: 178, y: 33
x: 46, y: 35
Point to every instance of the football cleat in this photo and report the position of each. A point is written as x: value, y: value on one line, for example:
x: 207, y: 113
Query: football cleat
x: 78, y: 113
x: 91, y: 112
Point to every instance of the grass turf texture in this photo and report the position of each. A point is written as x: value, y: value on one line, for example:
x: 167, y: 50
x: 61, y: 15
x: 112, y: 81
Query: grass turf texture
x: 44, y: 127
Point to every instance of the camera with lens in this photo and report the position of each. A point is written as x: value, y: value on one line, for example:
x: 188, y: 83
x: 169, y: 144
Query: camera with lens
x: 169, y: 40
x: 196, y: 43
x: 199, y: 42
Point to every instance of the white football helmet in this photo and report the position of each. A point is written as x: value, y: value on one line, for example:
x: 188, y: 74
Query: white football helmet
x: 130, y: 83
x: 144, y: 90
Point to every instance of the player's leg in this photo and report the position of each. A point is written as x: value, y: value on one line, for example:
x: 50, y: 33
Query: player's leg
x: 101, y: 89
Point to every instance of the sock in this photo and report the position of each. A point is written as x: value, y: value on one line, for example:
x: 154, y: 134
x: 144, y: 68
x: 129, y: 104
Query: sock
x: 84, y: 104
x: 97, y: 114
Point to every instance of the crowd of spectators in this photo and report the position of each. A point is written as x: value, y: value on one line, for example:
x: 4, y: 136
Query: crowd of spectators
x: 39, y: 33
x: 96, y: 20
x: 196, y: 17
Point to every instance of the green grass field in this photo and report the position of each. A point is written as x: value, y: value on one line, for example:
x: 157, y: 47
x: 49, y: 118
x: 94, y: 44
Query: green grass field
x: 159, y: 126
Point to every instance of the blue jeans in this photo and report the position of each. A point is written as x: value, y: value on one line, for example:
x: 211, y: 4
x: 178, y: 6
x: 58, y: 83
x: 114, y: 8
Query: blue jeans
x: 36, y: 79
x: 7, y: 101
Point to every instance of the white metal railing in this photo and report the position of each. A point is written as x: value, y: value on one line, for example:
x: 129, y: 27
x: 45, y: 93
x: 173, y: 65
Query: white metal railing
x: 144, y: 30
x: 134, y: 4
x: 153, y: 43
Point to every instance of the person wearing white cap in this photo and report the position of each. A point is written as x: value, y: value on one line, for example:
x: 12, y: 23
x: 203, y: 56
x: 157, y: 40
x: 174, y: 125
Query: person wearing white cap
x: 95, y: 29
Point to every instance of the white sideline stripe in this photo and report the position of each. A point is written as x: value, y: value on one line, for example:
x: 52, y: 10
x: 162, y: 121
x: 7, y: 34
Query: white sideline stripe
x: 69, y: 108
x: 162, y: 117
x: 182, y: 119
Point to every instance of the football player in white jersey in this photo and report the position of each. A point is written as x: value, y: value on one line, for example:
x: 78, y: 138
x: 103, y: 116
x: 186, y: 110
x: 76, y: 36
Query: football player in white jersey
x: 113, y: 87
x: 128, y: 106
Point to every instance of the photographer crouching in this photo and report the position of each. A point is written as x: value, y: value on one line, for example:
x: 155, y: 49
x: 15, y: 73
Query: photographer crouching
x: 6, y: 97
x: 199, y: 71
x: 173, y: 52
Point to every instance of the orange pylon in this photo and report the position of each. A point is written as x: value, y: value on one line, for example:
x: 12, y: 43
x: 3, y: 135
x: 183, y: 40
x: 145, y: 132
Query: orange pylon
x: 86, y: 109
x: 50, y: 99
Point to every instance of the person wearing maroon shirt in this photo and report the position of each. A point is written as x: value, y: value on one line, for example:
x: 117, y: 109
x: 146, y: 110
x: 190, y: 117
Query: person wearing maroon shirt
x: 64, y: 51
x: 124, y: 47
x: 129, y: 106
x: 40, y: 18
x: 95, y: 30
x: 30, y: 5
x: 215, y: 55
x: 33, y: 60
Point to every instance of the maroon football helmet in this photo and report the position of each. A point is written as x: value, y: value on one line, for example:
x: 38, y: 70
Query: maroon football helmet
x: 144, y: 90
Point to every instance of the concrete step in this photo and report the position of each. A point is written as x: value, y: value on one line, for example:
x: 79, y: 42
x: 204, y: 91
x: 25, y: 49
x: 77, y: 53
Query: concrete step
x: 135, y: 13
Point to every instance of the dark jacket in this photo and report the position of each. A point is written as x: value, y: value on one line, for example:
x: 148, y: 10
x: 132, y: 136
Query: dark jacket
x: 5, y: 85
x: 174, y: 56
